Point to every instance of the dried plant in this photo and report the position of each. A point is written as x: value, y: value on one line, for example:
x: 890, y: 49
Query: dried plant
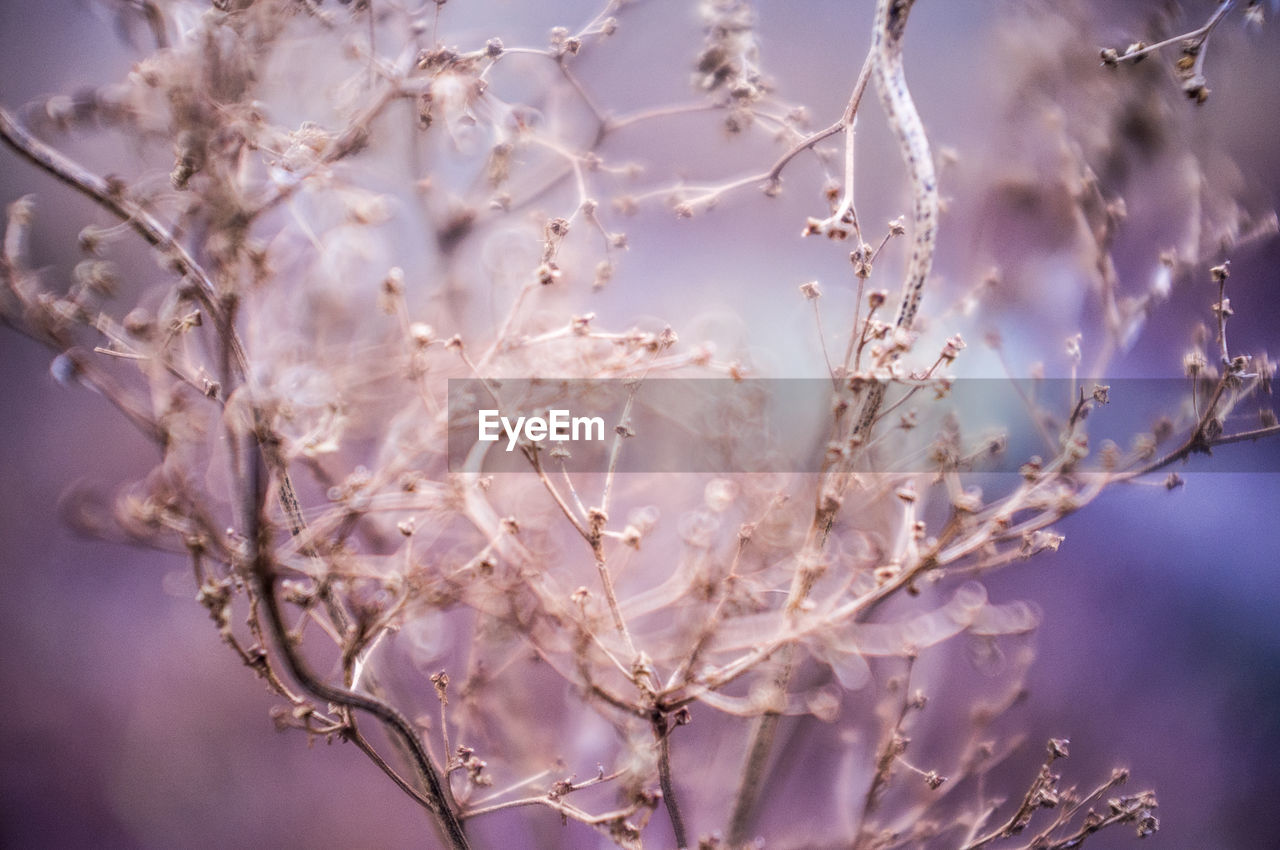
x: 361, y: 205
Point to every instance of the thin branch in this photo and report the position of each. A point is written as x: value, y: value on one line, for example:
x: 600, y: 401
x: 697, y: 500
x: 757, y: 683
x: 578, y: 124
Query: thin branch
x: 112, y: 196
x: 1194, y: 39
x: 662, y: 731
x: 266, y: 575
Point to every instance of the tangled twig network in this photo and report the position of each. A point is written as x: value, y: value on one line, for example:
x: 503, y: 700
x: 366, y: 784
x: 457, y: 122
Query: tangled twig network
x: 364, y: 205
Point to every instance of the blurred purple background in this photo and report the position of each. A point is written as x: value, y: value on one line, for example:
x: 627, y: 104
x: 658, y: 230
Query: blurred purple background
x: 126, y: 723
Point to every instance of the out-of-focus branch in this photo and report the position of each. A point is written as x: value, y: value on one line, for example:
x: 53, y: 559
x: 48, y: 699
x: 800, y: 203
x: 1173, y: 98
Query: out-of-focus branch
x: 113, y: 196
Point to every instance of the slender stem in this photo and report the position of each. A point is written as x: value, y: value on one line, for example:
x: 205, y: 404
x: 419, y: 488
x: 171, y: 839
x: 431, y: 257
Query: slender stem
x: 1197, y: 36
x: 266, y: 575
x: 354, y: 735
x: 662, y: 730
x: 812, y: 139
x: 890, y: 749
x: 748, y: 794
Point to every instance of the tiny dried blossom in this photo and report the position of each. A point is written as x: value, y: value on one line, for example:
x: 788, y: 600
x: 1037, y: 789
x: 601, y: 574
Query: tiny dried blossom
x: 861, y: 259
x: 1193, y: 363
x: 1073, y: 348
x: 422, y: 334
x: 952, y: 348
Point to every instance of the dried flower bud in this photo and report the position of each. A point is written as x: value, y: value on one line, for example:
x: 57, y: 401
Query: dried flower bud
x: 139, y: 324
x: 1193, y: 362
x: 558, y: 228
x: 548, y: 273
x: 98, y: 276
x: 603, y: 274
x: 861, y: 259
x: 422, y: 334
x: 91, y: 238
x: 441, y: 682
x: 393, y: 283
x: 952, y: 348
x: 581, y: 325
x: 1196, y: 88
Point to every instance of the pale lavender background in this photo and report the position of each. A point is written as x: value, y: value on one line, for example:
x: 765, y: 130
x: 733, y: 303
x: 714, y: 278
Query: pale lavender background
x: 125, y: 722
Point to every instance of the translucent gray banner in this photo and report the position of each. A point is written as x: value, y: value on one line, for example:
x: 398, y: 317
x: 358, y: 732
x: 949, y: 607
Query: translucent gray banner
x: 802, y: 425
